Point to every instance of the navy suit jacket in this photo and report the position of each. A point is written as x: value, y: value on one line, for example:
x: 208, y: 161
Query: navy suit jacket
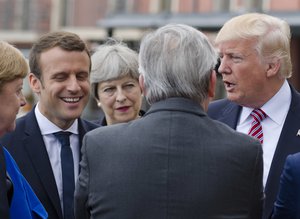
x: 287, y: 205
x: 288, y: 143
x: 27, y: 147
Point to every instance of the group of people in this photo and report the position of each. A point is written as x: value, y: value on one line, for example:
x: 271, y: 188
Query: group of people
x: 185, y: 157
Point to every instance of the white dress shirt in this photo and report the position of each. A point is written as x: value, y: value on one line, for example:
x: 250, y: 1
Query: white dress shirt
x: 276, y: 109
x: 53, y: 148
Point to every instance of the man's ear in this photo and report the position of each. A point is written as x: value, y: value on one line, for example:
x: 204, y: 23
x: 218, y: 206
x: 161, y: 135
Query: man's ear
x: 212, y: 84
x: 34, y: 83
x: 273, y: 67
x: 142, y: 84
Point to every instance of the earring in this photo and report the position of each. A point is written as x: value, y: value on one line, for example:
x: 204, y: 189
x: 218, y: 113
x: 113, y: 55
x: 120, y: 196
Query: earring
x: 99, y: 104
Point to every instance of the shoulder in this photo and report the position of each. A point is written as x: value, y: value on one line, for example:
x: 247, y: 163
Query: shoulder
x: 291, y: 170
x: 293, y: 161
x: 295, y: 96
x: 217, y: 105
x: 11, y: 165
x: 220, y: 102
x: 228, y: 136
x: 108, y: 131
x: 88, y: 125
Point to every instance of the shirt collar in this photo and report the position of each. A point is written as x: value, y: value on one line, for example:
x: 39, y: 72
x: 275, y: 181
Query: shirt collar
x: 276, y: 108
x: 48, y: 127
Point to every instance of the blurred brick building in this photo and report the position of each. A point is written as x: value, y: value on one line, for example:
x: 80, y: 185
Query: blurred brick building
x: 22, y: 21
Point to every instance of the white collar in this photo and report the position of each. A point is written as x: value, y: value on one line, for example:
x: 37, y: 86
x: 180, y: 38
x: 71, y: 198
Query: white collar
x: 48, y: 127
x: 276, y: 108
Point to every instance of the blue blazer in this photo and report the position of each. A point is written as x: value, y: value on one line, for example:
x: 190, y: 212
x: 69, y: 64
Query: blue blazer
x: 27, y: 146
x: 289, y: 143
x: 24, y: 203
x: 287, y: 205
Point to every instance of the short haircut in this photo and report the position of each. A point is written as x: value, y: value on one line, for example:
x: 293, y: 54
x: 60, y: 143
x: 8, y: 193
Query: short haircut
x: 65, y: 40
x: 271, y: 34
x: 112, y: 60
x: 176, y: 61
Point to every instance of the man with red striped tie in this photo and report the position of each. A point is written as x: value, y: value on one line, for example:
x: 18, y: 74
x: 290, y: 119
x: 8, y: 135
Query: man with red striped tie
x: 255, y: 62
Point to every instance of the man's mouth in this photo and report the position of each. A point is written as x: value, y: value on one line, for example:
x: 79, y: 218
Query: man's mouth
x: 71, y: 99
x: 228, y: 84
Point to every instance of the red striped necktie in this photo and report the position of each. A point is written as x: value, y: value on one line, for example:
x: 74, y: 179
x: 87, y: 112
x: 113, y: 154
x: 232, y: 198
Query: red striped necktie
x: 256, y: 130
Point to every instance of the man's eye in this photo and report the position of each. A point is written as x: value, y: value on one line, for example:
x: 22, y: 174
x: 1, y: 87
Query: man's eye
x: 60, y: 77
x: 236, y: 58
x: 129, y: 85
x: 82, y: 76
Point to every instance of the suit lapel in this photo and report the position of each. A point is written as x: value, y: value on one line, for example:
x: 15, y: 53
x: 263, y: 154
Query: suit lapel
x: 230, y: 114
x: 82, y: 129
x: 35, y: 147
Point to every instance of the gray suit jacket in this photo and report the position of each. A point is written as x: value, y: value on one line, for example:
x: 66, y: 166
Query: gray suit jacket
x: 174, y: 162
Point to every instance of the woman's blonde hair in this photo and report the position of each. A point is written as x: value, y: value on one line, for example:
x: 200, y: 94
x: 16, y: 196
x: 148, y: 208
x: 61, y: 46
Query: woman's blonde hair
x: 13, y: 64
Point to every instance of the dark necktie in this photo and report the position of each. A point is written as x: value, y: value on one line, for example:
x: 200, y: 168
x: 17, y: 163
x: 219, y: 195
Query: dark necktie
x: 4, y: 207
x: 256, y: 130
x: 67, y: 166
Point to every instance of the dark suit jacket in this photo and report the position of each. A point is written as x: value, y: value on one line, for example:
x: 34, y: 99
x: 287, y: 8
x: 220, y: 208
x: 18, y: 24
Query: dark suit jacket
x: 27, y: 147
x: 288, y: 143
x: 287, y: 205
x: 174, y: 162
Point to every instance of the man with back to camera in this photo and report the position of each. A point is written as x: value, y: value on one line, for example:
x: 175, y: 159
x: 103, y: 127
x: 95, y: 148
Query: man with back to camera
x: 174, y: 162
x: 255, y: 64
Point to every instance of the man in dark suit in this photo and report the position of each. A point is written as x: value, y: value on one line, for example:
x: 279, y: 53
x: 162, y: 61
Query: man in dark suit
x: 255, y: 64
x: 60, y: 65
x: 287, y: 205
x: 174, y: 162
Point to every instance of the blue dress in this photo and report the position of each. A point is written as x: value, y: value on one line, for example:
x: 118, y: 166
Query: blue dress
x: 24, y: 203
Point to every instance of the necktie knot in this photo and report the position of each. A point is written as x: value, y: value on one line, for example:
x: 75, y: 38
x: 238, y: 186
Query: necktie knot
x: 63, y: 138
x: 256, y: 129
x: 258, y: 115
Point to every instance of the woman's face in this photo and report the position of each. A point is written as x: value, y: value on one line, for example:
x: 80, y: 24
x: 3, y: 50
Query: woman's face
x: 121, y: 99
x: 11, y: 98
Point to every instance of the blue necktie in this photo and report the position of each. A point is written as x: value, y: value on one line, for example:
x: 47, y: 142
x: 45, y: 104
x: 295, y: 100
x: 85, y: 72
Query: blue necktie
x: 67, y: 166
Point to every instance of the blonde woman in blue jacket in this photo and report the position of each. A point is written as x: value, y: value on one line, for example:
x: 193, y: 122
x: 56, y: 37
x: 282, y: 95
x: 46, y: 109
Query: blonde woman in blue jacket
x: 17, y: 199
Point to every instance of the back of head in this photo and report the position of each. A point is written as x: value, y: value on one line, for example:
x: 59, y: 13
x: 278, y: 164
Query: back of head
x: 113, y: 60
x: 13, y: 64
x: 272, y: 36
x: 176, y: 61
x: 65, y: 40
